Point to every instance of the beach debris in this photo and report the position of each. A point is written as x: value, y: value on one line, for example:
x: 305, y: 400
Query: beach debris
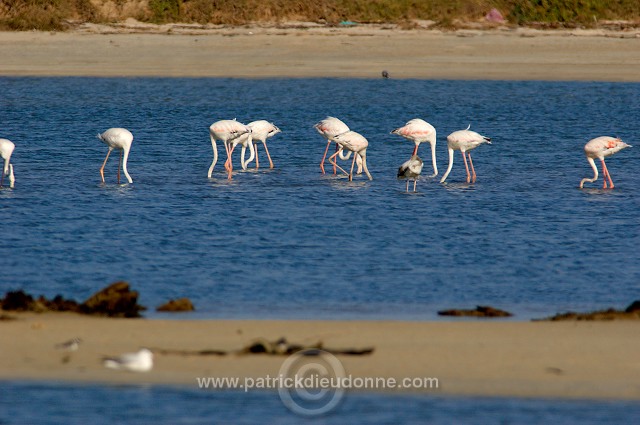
x: 554, y: 371
x: 479, y: 311
x: 385, y: 74
x: 116, y: 300
x: 72, y: 345
x: 141, y: 361
x: 632, y: 312
x: 207, y: 352
x: 282, y: 347
x: 179, y: 305
x: 7, y: 318
x: 348, y: 24
x: 494, y: 15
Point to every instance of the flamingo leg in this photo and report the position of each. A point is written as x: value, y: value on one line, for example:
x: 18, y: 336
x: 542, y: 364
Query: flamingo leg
x: 119, y: 165
x: 407, y: 185
x: 255, y: 147
x: 227, y: 149
x: 606, y: 175
x: 105, y: 163
x: 415, y: 151
x: 335, y: 164
x: 266, y: 149
x: 415, y: 182
x: 324, y: 156
x: 464, y: 157
x: 353, y: 163
x: 333, y: 161
x: 473, y: 170
x: 230, y: 169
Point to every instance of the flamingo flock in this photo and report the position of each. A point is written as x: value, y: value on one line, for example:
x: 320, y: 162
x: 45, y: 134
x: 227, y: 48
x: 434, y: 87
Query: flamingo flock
x: 348, y: 143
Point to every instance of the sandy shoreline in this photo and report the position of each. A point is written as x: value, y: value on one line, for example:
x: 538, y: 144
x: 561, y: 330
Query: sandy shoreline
x: 559, y: 360
x: 360, y: 52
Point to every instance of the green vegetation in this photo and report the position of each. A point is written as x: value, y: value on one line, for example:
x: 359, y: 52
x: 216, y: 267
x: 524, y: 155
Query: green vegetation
x: 54, y: 14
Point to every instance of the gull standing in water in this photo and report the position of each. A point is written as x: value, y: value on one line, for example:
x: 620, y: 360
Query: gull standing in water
x: 420, y: 131
x: 121, y: 139
x: 463, y: 141
x: 141, y: 361
x: 6, y: 149
x: 600, y: 148
x: 411, y: 170
x: 356, y: 143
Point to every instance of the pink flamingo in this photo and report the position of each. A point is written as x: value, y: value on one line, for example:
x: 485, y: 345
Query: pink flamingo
x: 225, y: 131
x: 410, y: 170
x: 121, y: 139
x: 262, y: 130
x: 329, y: 128
x: 353, y: 142
x: 600, y: 148
x: 420, y: 131
x: 6, y: 149
x: 464, y: 140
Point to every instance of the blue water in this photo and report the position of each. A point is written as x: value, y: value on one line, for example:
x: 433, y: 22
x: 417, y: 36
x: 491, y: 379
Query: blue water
x: 291, y: 243
x: 45, y: 403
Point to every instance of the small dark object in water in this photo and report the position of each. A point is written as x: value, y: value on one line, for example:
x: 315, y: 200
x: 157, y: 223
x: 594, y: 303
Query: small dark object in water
x: 181, y: 304
x: 385, y: 74
x: 480, y: 311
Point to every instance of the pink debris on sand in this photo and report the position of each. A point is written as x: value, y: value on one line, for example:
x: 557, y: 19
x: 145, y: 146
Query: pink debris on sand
x: 494, y: 15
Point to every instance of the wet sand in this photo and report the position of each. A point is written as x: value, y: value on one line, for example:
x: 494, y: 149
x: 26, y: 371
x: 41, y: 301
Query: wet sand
x: 535, y: 359
x: 360, y: 52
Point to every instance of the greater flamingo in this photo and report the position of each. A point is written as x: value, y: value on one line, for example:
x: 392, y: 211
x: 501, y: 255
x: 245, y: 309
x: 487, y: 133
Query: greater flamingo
x: 600, y: 148
x: 6, y: 149
x: 353, y: 142
x: 420, y: 131
x: 410, y: 170
x: 329, y: 128
x: 121, y: 139
x: 464, y: 140
x: 262, y: 130
x: 224, y: 130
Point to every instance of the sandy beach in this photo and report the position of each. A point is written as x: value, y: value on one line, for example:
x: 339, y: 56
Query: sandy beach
x: 137, y: 49
x: 536, y: 359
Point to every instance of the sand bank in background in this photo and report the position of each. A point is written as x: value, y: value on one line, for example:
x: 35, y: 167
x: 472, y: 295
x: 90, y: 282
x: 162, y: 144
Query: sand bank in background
x: 560, y: 360
x: 136, y: 49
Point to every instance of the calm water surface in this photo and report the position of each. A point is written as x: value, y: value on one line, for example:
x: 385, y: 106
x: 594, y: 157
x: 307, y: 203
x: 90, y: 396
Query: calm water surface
x: 25, y: 403
x: 291, y: 243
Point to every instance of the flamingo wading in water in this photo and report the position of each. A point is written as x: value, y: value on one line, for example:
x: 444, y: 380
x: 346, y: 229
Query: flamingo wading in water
x: 600, y: 148
x: 6, y: 149
x: 261, y: 131
x: 329, y: 128
x: 410, y: 170
x: 464, y: 141
x: 225, y: 131
x: 420, y: 131
x: 121, y: 139
x: 356, y: 143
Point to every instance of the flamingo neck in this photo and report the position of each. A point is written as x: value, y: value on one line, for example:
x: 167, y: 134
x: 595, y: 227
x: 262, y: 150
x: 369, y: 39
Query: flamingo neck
x: 595, y: 173
x: 124, y: 165
x: 433, y: 159
x: 446, y: 174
